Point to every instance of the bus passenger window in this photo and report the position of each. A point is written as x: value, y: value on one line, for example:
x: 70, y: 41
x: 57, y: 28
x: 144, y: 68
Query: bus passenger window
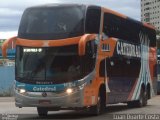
x: 93, y: 16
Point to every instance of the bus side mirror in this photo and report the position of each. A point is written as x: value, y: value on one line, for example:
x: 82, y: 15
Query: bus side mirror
x: 5, y: 45
x: 82, y: 43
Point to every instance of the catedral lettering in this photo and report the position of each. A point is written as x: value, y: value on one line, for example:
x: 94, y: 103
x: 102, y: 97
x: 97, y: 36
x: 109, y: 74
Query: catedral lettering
x: 43, y: 89
x: 127, y: 49
x: 65, y: 59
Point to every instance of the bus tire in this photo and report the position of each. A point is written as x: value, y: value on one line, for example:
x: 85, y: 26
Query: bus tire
x: 146, y: 94
x: 142, y: 98
x: 139, y: 103
x: 99, y: 108
x: 42, y: 112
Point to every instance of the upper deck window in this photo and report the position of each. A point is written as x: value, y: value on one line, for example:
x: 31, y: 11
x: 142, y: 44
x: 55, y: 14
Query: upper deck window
x: 52, y: 22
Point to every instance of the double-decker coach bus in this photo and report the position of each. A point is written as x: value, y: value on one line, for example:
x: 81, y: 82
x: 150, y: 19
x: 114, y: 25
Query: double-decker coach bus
x: 71, y: 56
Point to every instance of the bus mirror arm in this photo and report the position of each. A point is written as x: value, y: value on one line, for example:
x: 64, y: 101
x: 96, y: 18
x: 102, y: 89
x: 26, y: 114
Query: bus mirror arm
x: 82, y: 43
x: 5, y: 46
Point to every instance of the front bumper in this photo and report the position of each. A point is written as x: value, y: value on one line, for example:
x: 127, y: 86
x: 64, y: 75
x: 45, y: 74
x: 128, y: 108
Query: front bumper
x: 61, y: 100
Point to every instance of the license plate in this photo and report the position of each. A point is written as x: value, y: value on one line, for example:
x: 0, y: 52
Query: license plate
x: 45, y: 102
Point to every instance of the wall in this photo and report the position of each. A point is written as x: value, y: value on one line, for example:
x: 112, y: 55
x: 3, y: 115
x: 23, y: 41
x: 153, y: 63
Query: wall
x: 6, y: 80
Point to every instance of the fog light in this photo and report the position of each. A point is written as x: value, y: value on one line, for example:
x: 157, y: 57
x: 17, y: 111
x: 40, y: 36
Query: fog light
x: 69, y: 91
x: 22, y: 91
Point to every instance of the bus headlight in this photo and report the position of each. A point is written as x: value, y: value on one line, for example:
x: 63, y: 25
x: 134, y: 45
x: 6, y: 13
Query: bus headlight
x: 69, y: 91
x: 22, y: 91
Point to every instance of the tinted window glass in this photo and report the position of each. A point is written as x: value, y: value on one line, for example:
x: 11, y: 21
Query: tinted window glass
x: 127, y: 29
x: 52, y: 22
x: 93, y: 16
x: 54, y: 65
x: 89, y: 57
x: 120, y: 67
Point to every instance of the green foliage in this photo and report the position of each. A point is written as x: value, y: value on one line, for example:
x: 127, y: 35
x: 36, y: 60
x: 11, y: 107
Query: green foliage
x: 158, y: 32
x: 1, y: 41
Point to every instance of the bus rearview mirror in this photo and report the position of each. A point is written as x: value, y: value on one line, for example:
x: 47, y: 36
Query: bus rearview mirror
x: 82, y: 43
x: 5, y: 45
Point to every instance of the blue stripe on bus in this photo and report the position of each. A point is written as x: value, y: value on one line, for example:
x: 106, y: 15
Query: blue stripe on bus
x: 41, y: 88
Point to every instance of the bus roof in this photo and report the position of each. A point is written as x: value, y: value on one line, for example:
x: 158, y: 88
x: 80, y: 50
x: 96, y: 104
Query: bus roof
x: 103, y: 8
x: 56, y: 5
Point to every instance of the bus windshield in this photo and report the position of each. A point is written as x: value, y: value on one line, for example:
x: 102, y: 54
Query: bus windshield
x: 48, y: 65
x: 52, y: 22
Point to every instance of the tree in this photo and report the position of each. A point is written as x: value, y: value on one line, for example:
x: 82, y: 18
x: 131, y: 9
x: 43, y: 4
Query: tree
x: 158, y: 32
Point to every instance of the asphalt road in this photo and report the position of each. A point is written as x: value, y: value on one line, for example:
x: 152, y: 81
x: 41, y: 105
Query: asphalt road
x: 113, y: 112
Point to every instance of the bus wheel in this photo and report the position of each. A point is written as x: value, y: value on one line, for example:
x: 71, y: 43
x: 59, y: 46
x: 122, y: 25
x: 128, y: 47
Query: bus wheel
x: 139, y: 103
x: 145, y: 98
x: 42, y: 112
x: 101, y: 104
x: 142, y: 99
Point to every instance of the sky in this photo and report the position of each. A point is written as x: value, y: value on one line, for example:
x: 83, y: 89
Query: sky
x: 12, y: 10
